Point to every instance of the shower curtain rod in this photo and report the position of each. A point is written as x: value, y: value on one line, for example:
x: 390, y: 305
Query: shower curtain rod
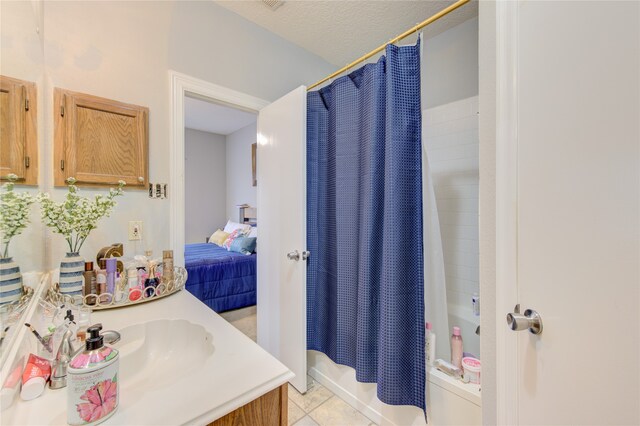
x: 410, y: 31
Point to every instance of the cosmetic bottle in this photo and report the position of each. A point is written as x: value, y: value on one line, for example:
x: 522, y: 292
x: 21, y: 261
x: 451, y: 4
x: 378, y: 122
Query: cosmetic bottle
x: 430, y: 344
x: 89, y: 283
x: 111, y: 266
x: 142, y: 275
x: 101, y: 284
x: 456, y: 348
x: 132, y: 278
x: 121, y: 287
x: 151, y: 282
x: 92, y: 382
x: 475, y: 300
x: 167, y: 266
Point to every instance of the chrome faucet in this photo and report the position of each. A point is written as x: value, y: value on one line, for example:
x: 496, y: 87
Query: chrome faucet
x: 66, y: 352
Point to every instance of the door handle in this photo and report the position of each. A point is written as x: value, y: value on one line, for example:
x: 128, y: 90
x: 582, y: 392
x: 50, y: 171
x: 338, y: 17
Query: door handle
x: 305, y: 255
x: 293, y: 255
x: 530, y: 320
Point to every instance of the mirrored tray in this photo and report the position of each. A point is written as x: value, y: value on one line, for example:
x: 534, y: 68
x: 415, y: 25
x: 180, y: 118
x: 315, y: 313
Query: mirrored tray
x: 135, y: 296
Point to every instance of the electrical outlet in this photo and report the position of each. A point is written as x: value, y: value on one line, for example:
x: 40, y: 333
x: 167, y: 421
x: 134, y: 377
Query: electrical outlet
x: 135, y: 230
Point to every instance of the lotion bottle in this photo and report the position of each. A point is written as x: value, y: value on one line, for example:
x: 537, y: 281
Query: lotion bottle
x: 430, y: 344
x: 92, y: 382
x: 456, y: 348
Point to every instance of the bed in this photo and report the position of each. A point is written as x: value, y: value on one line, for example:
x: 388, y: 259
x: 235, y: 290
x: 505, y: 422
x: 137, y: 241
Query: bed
x: 221, y: 279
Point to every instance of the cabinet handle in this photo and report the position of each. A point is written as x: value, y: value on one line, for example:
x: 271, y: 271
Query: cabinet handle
x: 140, y: 179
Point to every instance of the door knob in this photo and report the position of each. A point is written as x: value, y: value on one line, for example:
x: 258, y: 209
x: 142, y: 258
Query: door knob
x: 530, y: 320
x: 293, y: 255
x: 305, y: 255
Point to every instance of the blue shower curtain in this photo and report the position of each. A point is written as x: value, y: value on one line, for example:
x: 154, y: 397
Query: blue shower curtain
x: 364, y: 204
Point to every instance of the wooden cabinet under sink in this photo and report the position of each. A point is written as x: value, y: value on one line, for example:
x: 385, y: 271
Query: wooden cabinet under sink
x: 268, y: 410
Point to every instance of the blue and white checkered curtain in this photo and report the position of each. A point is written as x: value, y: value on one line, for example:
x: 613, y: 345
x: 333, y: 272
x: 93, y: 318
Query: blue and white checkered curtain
x: 364, y: 189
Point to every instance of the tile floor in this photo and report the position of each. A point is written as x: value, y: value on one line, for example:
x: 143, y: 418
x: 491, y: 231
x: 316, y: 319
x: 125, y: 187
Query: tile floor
x: 319, y: 406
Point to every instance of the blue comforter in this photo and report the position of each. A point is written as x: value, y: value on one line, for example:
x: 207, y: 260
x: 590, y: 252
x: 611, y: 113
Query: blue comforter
x: 223, y: 280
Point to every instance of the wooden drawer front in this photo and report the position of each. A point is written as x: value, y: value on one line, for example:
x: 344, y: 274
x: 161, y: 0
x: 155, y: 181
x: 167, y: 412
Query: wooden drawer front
x: 18, y: 130
x: 268, y: 410
x: 106, y: 141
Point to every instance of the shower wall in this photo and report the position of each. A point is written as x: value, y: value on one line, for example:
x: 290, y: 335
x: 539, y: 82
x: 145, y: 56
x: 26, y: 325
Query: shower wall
x: 451, y: 141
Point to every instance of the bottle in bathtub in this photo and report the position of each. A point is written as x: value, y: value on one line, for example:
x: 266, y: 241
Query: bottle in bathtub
x: 430, y: 344
x: 92, y: 382
x: 456, y: 348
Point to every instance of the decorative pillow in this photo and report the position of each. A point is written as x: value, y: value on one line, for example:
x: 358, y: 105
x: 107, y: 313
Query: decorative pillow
x: 244, y: 245
x: 232, y: 226
x: 254, y: 232
x: 218, y: 237
x: 232, y: 236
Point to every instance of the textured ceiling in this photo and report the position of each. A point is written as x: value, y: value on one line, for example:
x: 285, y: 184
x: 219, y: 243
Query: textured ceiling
x: 214, y: 118
x: 341, y: 31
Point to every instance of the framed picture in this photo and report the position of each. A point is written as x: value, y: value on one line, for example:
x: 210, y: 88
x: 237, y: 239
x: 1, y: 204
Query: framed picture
x: 254, y: 148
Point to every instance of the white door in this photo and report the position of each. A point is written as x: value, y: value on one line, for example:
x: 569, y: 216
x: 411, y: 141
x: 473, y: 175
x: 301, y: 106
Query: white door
x: 570, y: 159
x: 281, y: 199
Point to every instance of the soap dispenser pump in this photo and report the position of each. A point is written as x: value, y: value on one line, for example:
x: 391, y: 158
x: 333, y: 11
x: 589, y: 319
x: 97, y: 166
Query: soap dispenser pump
x: 93, y: 391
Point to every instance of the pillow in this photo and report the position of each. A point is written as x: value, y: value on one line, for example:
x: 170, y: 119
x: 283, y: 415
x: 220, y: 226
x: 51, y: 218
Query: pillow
x: 244, y: 245
x: 232, y: 236
x: 232, y: 226
x: 254, y: 232
x: 218, y: 237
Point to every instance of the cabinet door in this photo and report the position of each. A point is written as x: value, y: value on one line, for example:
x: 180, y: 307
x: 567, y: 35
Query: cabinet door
x: 12, y: 128
x: 99, y: 141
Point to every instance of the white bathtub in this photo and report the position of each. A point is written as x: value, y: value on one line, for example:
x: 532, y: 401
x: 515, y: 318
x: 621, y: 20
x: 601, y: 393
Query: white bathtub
x: 449, y: 401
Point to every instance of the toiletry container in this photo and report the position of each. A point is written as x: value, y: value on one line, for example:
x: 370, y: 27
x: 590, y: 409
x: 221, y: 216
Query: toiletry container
x: 101, y: 284
x: 89, y: 283
x: 151, y: 282
x: 167, y: 266
x: 111, y: 275
x: 430, y: 344
x: 448, y: 368
x: 456, y: 348
x: 93, y: 382
x: 475, y: 301
x: 472, y: 367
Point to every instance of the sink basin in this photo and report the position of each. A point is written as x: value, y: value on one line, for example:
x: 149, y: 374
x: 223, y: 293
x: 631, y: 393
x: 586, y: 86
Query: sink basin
x: 153, y: 355
x: 161, y: 351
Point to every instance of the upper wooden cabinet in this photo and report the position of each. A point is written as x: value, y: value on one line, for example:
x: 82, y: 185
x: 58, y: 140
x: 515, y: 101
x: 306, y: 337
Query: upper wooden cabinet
x: 99, y: 141
x: 18, y: 130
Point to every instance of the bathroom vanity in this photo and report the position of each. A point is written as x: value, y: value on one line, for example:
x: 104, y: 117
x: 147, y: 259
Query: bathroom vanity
x: 180, y: 363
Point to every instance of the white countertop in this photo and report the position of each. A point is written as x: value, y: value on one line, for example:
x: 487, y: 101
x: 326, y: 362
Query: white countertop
x: 237, y: 372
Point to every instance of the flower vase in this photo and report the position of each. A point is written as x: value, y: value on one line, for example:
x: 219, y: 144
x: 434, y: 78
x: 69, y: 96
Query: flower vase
x: 10, y: 281
x: 71, y: 278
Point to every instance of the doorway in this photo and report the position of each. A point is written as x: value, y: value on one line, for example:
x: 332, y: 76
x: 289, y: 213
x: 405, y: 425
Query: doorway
x: 214, y: 194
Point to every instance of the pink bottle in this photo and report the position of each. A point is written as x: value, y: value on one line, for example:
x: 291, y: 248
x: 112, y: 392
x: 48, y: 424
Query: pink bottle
x: 456, y: 348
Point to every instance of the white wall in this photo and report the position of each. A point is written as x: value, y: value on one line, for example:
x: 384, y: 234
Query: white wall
x: 451, y: 139
x: 123, y: 51
x: 239, y: 178
x: 205, y: 184
x: 450, y: 65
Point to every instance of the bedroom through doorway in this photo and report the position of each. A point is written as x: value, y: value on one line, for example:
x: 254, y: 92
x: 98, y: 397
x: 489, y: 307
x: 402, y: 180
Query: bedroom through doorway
x: 220, y: 216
